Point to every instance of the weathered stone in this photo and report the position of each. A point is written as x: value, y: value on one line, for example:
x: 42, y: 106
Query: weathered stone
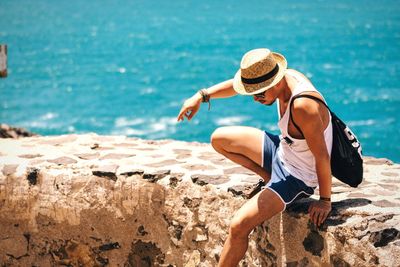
x: 384, y: 237
x: 94, y: 146
x: 103, y: 138
x: 117, y: 156
x: 338, y: 262
x: 200, y: 234
x: 191, y: 203
x: 222, y: 162
x: 314, y: 243
x: 125, y: 145
x: 141, y: 231
x: 133, y: 172
x: 164, y: 163
x: 175, y: 230
x: 109, y: 246
x: 75, y: 218
x: 156, y: 156
x: 32, y: 177
x: 108, y: 171
x: 183, y: 156
x: 377, y: 161
x: 63, y: 161
x: 35, y: 162
x: 14, y: 246
x: 382, y: 192
x: 145, y: 254
x: 104, y: 148
x: 358, y: 195
x: 182, y: 151
x: 156, y: 175
x: 59, y: 140
x: 175, y: 178
x: 384, y: 203
x: 77, y: 254
x: 390, y: 187
x: 240, y: 190
x: 88, y: 156
x: 267, y: 242
x: 202, y: 179
x: 194, y: 259
x: 390, y: 174
x: 145, y: 148
x: 238, y: 170
x: 253, y: 179
x: 198, y: 167
x: 302, y: 263
x: 210, y: 156
x: 30, y: 156
x: 7, y: 131
x: 9, y: 169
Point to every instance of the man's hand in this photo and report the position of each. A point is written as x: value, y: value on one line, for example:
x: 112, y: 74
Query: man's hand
x: 190, y: 107
x: 319, y: 211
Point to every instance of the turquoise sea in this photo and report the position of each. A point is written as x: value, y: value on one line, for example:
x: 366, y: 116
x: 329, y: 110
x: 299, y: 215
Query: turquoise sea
x: 125, y: 67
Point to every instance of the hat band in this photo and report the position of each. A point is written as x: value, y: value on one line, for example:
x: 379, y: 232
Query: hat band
x: 262, y: 78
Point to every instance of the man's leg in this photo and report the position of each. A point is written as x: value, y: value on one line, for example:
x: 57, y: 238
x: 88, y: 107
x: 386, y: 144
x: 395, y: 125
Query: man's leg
x: 242, y: 145
x: 254, y: 212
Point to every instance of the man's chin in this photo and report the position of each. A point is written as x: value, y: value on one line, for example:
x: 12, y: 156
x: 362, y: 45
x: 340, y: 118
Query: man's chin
x: 268, y: 104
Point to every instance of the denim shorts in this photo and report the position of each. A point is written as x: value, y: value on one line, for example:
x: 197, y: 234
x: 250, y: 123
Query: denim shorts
x: 285, y: 185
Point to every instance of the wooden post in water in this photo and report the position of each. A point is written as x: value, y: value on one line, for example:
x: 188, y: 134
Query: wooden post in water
x: 3, y: 60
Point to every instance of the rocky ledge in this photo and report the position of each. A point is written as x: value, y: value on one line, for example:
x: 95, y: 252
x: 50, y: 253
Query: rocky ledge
x: 89, y: 200
x: 7, y: 131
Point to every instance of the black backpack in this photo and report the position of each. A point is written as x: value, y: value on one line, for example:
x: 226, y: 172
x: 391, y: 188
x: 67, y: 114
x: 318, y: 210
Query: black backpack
x: 346, y: 155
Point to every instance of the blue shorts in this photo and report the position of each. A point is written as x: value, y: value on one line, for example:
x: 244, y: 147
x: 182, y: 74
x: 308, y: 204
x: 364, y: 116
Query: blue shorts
x: 285, y: 185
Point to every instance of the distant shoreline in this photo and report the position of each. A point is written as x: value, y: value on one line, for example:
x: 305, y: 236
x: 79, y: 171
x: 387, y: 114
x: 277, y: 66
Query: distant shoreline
x: 7, y: 131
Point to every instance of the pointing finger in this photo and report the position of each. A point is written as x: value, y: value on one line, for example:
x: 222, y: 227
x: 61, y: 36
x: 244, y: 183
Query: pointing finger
x: 183, y: 112
x: 180, y: 114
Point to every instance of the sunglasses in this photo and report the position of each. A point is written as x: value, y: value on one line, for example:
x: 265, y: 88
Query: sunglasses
x: 260, y: 95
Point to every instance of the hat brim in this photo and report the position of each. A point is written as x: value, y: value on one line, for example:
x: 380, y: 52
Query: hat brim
x: 239, y: 87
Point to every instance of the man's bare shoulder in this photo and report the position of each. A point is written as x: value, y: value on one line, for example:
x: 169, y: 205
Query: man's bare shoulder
x: 306, y: 106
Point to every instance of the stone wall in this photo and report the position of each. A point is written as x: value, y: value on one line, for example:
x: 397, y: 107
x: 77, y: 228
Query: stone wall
x: 89, y: 200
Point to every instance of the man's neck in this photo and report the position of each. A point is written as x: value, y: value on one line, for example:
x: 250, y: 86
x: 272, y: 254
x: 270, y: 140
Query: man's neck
x: 285, y: 91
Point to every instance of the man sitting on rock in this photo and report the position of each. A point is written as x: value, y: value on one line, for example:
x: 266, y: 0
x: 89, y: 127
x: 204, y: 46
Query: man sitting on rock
x: 292, y: 164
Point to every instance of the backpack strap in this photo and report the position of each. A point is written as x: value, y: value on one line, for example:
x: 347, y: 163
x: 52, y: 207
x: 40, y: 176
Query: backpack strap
x: 304, y: 96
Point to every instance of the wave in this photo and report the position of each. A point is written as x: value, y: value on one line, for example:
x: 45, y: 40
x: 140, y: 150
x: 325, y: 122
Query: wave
x: 123, y: 122
x: 152, y: 128
x: 234, y: 120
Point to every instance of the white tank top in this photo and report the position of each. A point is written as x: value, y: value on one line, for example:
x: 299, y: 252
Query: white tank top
x: 296, y: 157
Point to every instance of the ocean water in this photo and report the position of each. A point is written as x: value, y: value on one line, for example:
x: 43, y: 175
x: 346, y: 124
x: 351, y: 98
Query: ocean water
x: 125, y: 67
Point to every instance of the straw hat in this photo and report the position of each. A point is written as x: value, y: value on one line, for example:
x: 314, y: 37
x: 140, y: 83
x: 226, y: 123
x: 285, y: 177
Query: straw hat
x: 260, y: 69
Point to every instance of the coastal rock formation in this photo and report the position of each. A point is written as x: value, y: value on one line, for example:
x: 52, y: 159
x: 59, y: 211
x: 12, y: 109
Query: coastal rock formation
x: 7, y: 131
x: 89, y: 200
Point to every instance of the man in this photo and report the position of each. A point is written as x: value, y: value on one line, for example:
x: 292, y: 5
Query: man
x: 292, y: 164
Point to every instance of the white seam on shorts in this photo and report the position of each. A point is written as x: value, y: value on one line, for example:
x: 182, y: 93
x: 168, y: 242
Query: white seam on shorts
x: 262, y: 150
x: 297, y: 196
x: 284, y: 203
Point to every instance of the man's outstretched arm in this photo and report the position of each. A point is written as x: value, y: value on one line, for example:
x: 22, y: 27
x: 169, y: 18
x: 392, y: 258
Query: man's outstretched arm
x: 192, y: 105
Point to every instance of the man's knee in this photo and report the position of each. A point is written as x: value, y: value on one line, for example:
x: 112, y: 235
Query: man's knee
x: 238, y: 228
x: 219, y: 138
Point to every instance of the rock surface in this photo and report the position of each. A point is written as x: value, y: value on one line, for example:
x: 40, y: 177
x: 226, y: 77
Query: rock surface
x: 89, y: 200
x: 7, y: 131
